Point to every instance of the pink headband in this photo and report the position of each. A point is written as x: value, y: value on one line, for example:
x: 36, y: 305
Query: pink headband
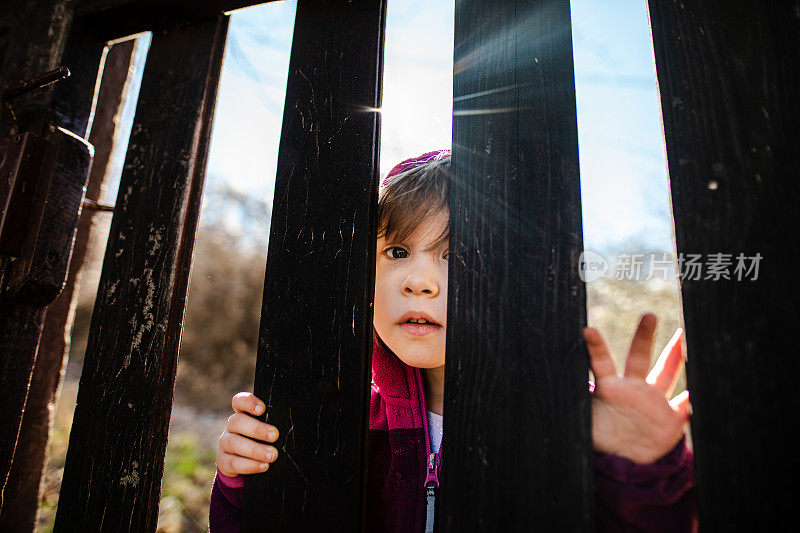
x: 414, y: 162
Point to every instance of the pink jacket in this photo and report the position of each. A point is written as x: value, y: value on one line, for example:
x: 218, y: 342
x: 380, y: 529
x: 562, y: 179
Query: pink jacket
x: 629, y: 497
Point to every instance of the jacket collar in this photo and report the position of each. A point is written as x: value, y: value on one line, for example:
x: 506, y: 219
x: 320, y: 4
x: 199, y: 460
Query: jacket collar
x: 400, y: 386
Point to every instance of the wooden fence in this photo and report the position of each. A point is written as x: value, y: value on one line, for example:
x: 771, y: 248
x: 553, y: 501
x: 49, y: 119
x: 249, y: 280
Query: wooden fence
x: 728, y: 73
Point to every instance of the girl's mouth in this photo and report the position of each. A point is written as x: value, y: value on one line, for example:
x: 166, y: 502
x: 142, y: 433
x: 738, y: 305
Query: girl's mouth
x: 420, y: 330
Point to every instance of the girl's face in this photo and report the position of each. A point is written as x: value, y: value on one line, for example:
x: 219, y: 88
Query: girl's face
x: 411, y: 284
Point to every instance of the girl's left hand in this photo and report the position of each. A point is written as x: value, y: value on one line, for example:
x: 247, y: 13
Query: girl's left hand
x: 632, y: 415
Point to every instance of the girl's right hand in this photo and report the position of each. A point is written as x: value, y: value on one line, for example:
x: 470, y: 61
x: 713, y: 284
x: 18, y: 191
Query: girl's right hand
x: 238, y: 451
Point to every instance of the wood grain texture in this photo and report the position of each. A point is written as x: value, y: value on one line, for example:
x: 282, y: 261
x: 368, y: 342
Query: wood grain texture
x: 68, y: 103
x: 34, y: 39
x: 517, y: 451
x: 112, y: 477
x: 38, y: 275
x: 35, y: 279
x: 728, y: 74
x: 33, y: 36
x: 21, y: 494
x: 314, y: 353
x: 20, y: 330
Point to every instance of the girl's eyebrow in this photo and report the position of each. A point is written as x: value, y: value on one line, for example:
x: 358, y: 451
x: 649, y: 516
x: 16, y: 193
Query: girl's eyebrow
x: 444, y: 244
x: 390, y: 244
x: 393, y: 241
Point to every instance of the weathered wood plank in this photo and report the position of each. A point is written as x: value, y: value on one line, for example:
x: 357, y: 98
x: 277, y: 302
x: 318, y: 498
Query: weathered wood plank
x: 728, y: 74
x: 517, y: 446
x: 34, y: 39
x: 68, y: 103
x: 115, y: 460
x: 21, y: 495
x: 34, y: 280
x: 20, y: 330
x: 313, y: 368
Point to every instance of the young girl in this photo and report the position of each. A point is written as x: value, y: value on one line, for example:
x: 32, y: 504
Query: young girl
x: 644, y: 473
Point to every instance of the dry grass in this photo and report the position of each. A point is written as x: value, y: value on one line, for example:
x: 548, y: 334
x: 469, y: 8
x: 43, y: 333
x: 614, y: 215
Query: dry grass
x: 614, y: 307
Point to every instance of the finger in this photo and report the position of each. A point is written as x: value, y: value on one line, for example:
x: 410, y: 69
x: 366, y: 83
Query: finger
x: 638, y: 361
x: 247, y: 448
x: 664, y: 374
x: 248, y: 426
x: 245, y: 402
x: 233, y: 465
x: 599, y: 355
x: 681, y: 404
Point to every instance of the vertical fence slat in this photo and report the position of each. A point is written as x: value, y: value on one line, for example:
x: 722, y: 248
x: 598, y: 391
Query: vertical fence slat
x: 517, y: 444
x: 22, y: 317
x: 728, y: 74
x: 314, y: 350
x: 21, y: 495
x: 112, y: 477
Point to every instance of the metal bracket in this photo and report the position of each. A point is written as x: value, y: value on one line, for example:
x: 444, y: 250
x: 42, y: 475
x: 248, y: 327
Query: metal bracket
x: 36, y: 83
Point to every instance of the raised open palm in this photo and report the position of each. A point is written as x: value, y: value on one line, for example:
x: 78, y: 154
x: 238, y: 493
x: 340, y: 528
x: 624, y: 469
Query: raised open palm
x: 632, y: 415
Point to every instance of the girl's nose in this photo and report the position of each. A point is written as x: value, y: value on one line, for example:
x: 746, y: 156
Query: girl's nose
x: 421, y: 281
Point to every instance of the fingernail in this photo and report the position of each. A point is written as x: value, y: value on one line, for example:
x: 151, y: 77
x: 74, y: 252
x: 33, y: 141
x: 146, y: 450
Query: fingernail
x: 264, y: 466
x: 259, y: 409
x: 270, y: 456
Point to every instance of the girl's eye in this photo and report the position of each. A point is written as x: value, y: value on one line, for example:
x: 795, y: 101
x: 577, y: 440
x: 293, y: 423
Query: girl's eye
x: 446, y: 255
x: 397, y: 249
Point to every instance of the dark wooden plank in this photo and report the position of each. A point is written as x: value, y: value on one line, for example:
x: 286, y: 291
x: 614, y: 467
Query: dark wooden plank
x: 34, y: 38
x: 34, y: 279
x: 115, y: 459
x: 20, y: 330
x: 68, y: 103
x: 204, y: 7
x: 728, y: 74
x: 518, y: 443
x: 314, y: 355
x: 21, y: 494
x: 118, y: 18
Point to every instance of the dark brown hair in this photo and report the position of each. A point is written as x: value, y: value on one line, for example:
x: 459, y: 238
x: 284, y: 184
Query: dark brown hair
x: 420, y: 190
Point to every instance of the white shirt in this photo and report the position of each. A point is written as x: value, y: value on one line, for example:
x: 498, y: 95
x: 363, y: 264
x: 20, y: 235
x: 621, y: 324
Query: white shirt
x: 435, y: 427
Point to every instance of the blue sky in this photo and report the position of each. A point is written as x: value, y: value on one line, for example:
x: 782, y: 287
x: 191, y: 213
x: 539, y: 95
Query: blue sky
x: 624, y: 182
